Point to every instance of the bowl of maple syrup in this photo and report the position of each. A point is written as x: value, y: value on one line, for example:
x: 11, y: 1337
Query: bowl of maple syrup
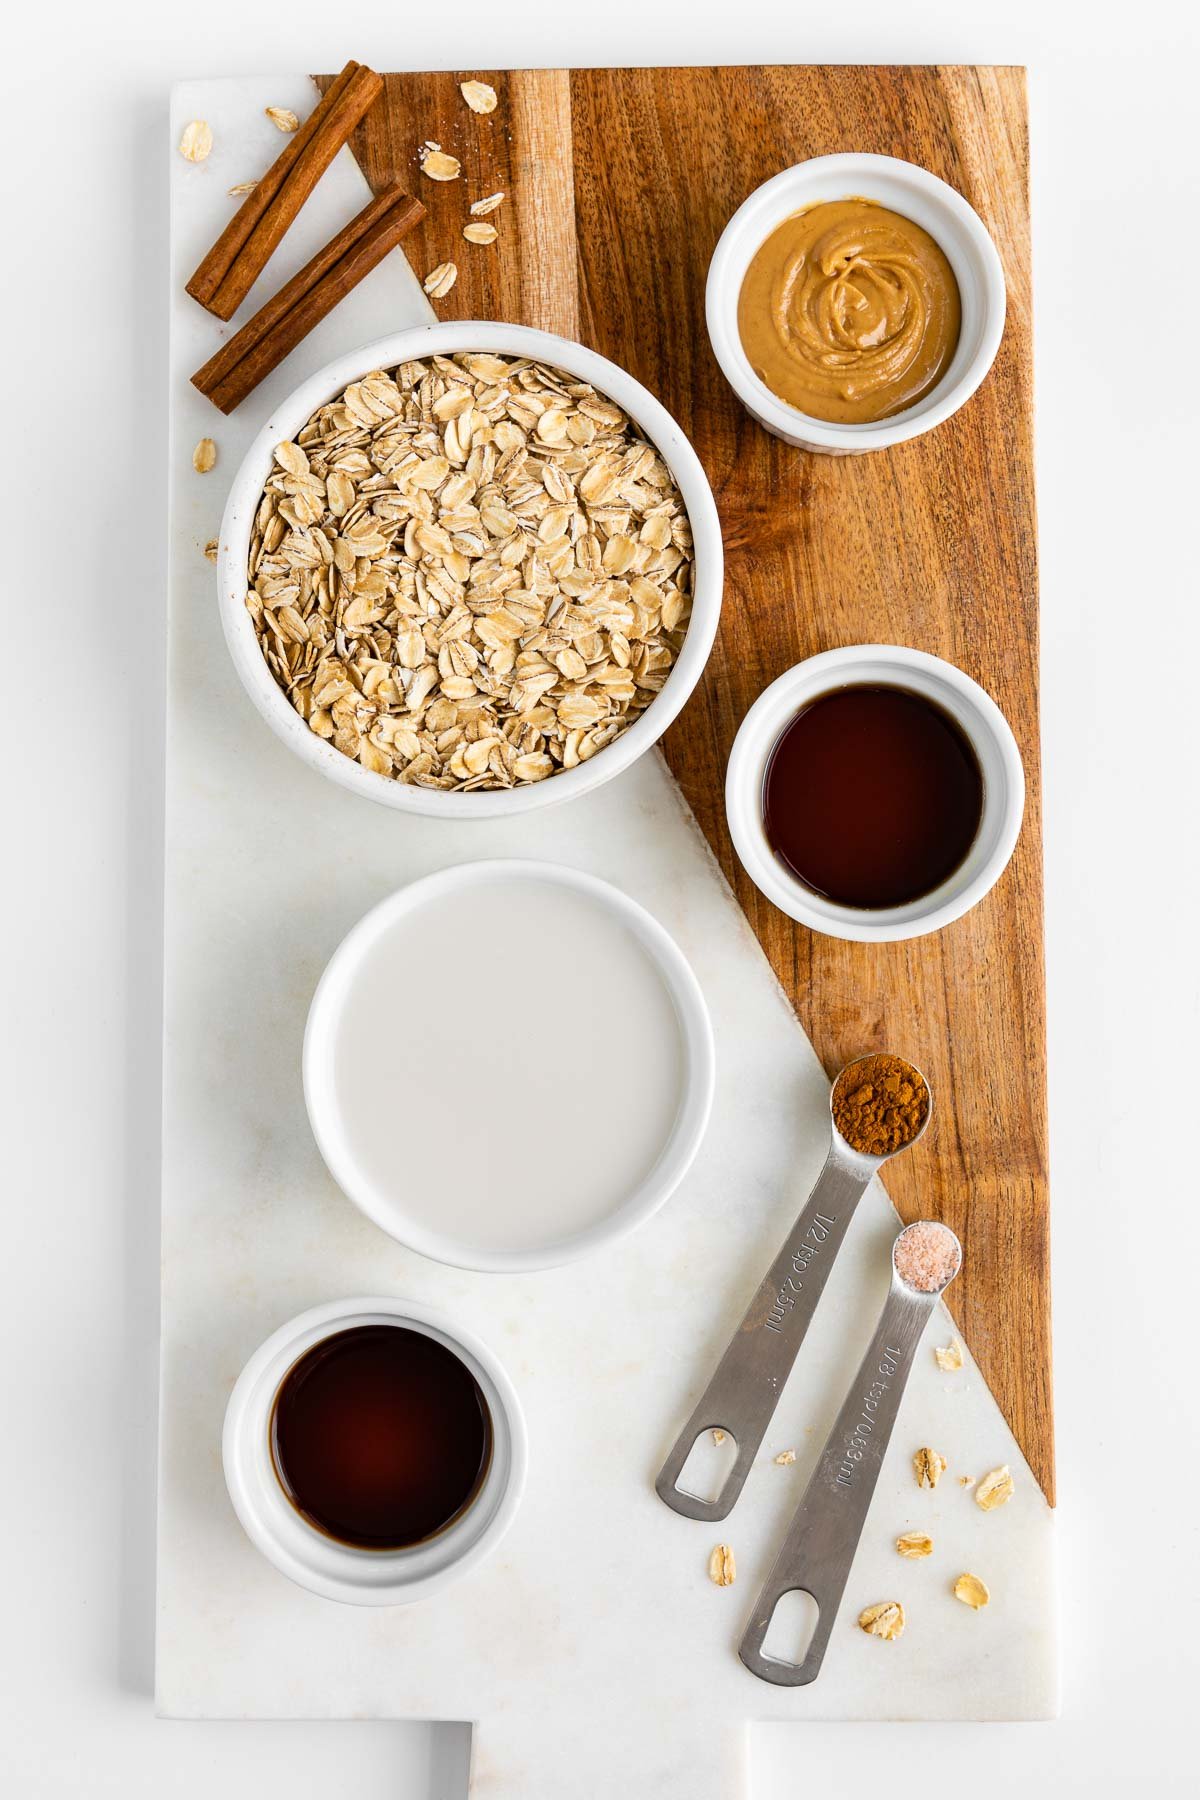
x: 374, y: 1452
x: 874, y: 793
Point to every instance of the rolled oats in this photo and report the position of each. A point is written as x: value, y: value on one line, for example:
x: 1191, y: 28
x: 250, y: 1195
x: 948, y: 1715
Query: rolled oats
x: 928, y: 1467
x: 995, y: 1489
x: 283, y: 117
x: 480, y: 233
x: 478, y: 95
x: 204, y: 456
x: 883, y: 1621
x: 950, y: 1358
x: 722, y: 1567
x: 438, y: 164
x: 470, y: 572
x: 197, y: 140
x: 488, y: 204
x: 914, y: 1544
x: 439, y: 281
x: 971, y: 1591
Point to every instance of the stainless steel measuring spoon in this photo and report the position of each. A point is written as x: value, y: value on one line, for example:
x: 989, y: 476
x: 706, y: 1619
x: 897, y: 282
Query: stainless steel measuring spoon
x: 746, y: 1385
x: 819, y: 1548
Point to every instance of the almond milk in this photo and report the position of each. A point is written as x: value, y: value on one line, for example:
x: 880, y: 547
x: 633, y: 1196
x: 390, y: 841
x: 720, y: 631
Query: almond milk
x: 508, y: 1064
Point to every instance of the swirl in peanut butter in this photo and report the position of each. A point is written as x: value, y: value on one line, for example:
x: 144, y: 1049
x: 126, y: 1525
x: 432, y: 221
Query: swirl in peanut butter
x: 849, y: 312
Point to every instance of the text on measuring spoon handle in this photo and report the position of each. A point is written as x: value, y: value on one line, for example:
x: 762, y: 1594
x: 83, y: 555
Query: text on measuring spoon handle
x: 858, y: 1442
x: 816, y: 1236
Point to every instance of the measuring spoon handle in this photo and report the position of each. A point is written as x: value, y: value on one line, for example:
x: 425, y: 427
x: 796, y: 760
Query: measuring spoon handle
x: 747, y: 1382
x: 817, y: 1553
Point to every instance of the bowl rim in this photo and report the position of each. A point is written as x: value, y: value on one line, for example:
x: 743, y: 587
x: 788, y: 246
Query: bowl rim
x: 337, y: 1571
x: 776, y: 199
x: 978, y: 716
x: 448, y: 338
x: 680, y: 1147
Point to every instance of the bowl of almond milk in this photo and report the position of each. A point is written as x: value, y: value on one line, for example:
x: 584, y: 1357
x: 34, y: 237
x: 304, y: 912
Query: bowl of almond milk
x: 508, y: 1065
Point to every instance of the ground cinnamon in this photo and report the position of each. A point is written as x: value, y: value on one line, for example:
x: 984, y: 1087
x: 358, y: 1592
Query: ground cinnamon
x: 880, y: 1104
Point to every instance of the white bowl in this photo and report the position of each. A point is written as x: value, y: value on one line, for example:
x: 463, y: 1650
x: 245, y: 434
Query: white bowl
x: 917, y: 195
x: 503, y: 340
x: 979, y: 718
x: 385, y: 1204
x: 304, y: 1554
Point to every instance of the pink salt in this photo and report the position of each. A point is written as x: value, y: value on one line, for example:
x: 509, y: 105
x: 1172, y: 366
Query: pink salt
x: 926, y: 1256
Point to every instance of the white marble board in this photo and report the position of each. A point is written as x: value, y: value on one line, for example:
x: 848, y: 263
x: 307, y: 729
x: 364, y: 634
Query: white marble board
x: 592, y: 1652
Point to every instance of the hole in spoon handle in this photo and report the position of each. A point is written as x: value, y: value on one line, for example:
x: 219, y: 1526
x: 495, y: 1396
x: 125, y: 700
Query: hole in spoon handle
x: 779, y: 1670
x: 819, y: 1549
x: 745, y: 1387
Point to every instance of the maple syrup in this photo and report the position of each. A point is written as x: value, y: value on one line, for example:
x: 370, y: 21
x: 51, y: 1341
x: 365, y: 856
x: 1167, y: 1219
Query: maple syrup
x: 380, y: 1436
x: 872, y: 796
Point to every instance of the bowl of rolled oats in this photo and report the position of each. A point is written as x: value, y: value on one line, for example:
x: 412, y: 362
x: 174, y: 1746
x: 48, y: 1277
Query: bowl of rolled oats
x: 470, y: 570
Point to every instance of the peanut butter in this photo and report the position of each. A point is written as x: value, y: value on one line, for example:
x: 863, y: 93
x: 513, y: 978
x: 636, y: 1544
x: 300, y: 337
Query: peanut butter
x: 849, y: 312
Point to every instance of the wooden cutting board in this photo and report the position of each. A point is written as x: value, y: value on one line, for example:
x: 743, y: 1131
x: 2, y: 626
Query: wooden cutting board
x: 618, y: 184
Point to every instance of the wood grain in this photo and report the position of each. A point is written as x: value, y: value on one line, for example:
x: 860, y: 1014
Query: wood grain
x: 523, y: 150
x: 932, y: 544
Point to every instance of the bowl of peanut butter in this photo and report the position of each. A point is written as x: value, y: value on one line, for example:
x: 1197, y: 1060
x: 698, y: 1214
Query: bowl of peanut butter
x: 854, y: 302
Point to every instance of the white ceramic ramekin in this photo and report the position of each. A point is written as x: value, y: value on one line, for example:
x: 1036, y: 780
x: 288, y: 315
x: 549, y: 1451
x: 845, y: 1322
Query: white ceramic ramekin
x: 502, y: 340
x: 917, y: 195
x: 296, y: 1548
x: 385, y: 1206
x: 885, y: 665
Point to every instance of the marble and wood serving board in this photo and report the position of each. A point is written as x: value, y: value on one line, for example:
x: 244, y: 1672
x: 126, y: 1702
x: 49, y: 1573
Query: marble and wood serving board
x: 591, y: 1651
x: 618, y: 183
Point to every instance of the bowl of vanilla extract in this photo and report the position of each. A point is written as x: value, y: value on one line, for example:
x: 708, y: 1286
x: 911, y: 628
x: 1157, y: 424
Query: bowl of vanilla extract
x: 874, y: 793
x: 373, y: 1452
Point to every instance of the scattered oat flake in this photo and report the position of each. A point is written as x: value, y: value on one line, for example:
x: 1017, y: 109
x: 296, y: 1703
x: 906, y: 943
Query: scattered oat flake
x: 283, y: 117
x: 478, y: 95
x: 883, y: 1621
x: 718, y: 1436
x: 721, y: 1566
x: 204, y: 456
x: 211, y: 548
x: 971, y: 1591
x: 785, y: 1457
x: 438, y: 165
x: 197, y: 140
x: 928, y: 1467
x: 488, y: 204
x: 480, y: 233
x: 996, y: 1488
x: 914, y: 1543
x: 966, y: 1481
x: 241, y: 187
x: 439, y: 281
x: 950, y: 1358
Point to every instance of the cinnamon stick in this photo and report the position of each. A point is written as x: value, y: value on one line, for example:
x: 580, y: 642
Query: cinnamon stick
x: 217, y: 264
x: 276, y: 329
x: 252, y: 236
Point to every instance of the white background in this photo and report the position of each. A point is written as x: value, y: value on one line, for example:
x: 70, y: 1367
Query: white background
x: 1114, y: 98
